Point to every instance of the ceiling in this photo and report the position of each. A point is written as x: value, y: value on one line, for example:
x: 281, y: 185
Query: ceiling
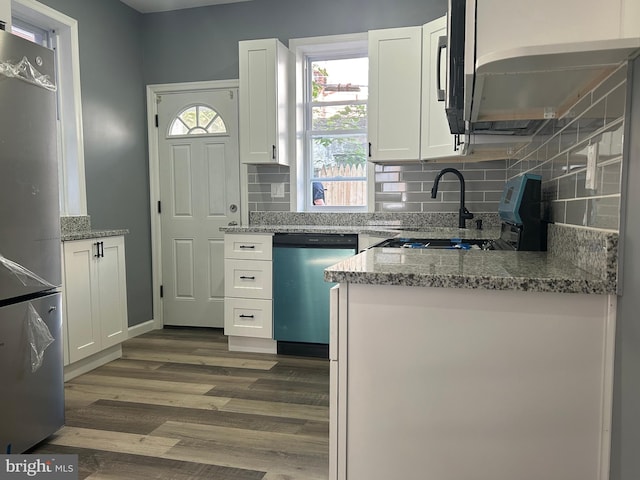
x: 149, y: 6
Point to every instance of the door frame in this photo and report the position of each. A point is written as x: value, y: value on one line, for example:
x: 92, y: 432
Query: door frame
x: 154, y: 178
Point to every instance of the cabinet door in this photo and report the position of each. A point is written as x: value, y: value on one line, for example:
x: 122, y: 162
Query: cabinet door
x: 112, y: 292
x: 263, y: 102
x: 80, y: 287
x: 395, y: 61
x: 436, y: 140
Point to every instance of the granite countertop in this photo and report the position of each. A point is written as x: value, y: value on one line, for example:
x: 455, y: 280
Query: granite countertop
x: 87, y: 234
x: 383, y: 231
x: 480, y: 269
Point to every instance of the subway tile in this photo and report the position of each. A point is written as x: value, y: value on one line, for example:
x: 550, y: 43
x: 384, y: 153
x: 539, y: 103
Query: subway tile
x: 615, y: 104
x: 388, y: 177
x: 580, y: 106
x: 492, y: 196
x: 394, y: 187
x: 576, y: 212
x: 389, y: 197
x: 567, y: 187
x: 550, y: 191
x: 610, y: 143
x: 591, y: 121
x: 604, y: 213
x: 553, y: 147
x: 609, y: 178
x: 616, y: 78
x: 272, y: 178
x: 568, y: 138
x: 558, y: 212
x: 469, y: 196
x: 495, y: 175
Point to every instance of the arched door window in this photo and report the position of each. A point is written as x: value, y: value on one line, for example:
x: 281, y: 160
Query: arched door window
x: 197, y: 120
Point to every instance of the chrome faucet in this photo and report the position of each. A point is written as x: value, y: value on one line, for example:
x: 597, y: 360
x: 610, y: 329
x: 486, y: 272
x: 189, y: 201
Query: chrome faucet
x: 463, y: 213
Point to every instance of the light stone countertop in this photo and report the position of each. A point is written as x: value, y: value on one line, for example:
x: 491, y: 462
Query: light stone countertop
x: 88, y: 234
x: 479, y: 269
x: 552, y: 271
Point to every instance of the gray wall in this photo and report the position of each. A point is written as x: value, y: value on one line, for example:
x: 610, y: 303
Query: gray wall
x: 202, y: 43
x: 115, y: 141
x: 625, y: 461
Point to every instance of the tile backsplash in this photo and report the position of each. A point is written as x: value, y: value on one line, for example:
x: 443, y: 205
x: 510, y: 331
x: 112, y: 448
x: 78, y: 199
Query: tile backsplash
x: 400, y: 188
x: 579, y: 157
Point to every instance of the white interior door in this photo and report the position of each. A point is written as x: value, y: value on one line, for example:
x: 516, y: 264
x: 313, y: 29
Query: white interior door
x: 199, y: 192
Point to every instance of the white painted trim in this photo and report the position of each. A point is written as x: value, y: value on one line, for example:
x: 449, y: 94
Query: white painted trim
x: 607, y: 386
x: 69, y: 63
x: 252, y: 344
x: 154, y: 176
x: 142, y: 328
x: 301, y: 47
x: 5, y: 13
x: 91, y: 363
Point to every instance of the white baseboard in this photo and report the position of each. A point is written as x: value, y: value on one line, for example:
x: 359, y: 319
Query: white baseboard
x: 94, y: 361
x: 141, y: 328
x: 252, y: 344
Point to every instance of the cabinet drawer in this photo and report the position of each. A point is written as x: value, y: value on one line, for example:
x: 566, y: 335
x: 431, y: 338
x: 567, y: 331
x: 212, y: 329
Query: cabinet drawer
x: 247, y: 279
x: 248, y: 317
x: 248, y: 247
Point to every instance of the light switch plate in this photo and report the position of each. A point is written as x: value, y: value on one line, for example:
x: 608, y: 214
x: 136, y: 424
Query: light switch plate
x: 592, y: 161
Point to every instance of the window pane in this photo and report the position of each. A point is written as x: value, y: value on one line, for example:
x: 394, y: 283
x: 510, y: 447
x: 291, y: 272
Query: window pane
x: 190, y: 117
x: 339, y: 193
x: 217, y: 126
x: 344, y: 117
x: 332, y: 152
x: 340, y: 80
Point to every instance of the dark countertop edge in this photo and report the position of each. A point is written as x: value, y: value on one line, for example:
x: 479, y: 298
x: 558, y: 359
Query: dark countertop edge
x: 68, y: 237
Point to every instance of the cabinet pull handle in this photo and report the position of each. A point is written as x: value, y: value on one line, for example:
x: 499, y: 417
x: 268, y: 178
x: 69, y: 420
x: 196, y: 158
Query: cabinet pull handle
x: 102, y: 249
x: 370, y: 150
x: 247, y: 316
x: 97, y: 255
x: 442, y: 44
x: 244, y: 277
x: 247, y: 246
x: 273, y: 152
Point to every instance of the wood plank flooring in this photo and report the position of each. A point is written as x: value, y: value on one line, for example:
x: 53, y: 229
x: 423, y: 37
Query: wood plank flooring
x: 179, y: 406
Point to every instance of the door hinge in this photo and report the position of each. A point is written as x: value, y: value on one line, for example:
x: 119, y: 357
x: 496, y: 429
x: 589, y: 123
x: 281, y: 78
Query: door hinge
x: 157, y: 121
x: 161, y: 291
x: 159, y: 206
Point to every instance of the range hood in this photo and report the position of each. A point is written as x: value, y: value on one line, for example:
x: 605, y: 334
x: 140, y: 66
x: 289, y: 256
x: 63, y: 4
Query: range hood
x: 525, y: 64
x: 515, y: 89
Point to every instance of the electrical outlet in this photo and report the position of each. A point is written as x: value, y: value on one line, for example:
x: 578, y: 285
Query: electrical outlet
x: 277, y: 190
x: 592, y: 161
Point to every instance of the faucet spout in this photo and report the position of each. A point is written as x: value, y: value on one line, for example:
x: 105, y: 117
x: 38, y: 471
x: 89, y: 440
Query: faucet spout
x: 463, y: 213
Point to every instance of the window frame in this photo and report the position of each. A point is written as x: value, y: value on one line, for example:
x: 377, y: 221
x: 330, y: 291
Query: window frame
x: 64, y: 37
x: 333, y: 47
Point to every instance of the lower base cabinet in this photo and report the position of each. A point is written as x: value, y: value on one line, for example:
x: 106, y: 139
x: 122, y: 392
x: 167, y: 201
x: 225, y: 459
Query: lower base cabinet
x: 470, y: 384
x: 94, y: 295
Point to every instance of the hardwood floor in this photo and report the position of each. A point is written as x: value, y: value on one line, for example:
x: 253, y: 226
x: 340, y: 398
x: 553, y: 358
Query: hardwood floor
x: 179, y: 406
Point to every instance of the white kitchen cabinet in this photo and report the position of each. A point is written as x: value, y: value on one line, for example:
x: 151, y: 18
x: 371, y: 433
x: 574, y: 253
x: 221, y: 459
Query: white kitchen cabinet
x: 248, y: 302
x: 95, y: 295
x: 489, y: 385
x: 393, y: 110
x: 264, y: 102
x: 406, y: 122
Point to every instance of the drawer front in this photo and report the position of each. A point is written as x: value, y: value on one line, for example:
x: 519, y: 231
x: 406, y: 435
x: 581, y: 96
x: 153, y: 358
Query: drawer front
x: 248, y: 247
x: 248, y: 317
x: 247, y: 279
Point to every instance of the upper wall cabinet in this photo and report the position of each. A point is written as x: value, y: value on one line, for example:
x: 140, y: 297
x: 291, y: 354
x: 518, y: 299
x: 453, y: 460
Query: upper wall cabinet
x: 264, y: 104
x: 406, y: 121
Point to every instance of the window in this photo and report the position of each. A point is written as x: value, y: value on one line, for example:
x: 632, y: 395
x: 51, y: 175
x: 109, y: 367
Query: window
x: 48, y: 27
x: 332, y: 168
x: 197, y: 120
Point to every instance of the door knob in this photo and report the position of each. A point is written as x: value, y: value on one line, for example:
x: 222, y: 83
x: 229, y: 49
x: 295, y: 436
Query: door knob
x: 233, y: 208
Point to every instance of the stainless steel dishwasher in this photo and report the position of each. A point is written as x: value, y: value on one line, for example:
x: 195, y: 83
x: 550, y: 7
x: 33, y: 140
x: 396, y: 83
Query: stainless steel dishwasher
x: 300, y: 294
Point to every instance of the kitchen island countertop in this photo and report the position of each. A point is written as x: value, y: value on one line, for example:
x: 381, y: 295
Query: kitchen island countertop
x: 475, y: 269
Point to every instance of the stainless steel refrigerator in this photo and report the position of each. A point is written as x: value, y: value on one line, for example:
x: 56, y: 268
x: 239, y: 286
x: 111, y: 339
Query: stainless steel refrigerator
x: 31, y: 362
